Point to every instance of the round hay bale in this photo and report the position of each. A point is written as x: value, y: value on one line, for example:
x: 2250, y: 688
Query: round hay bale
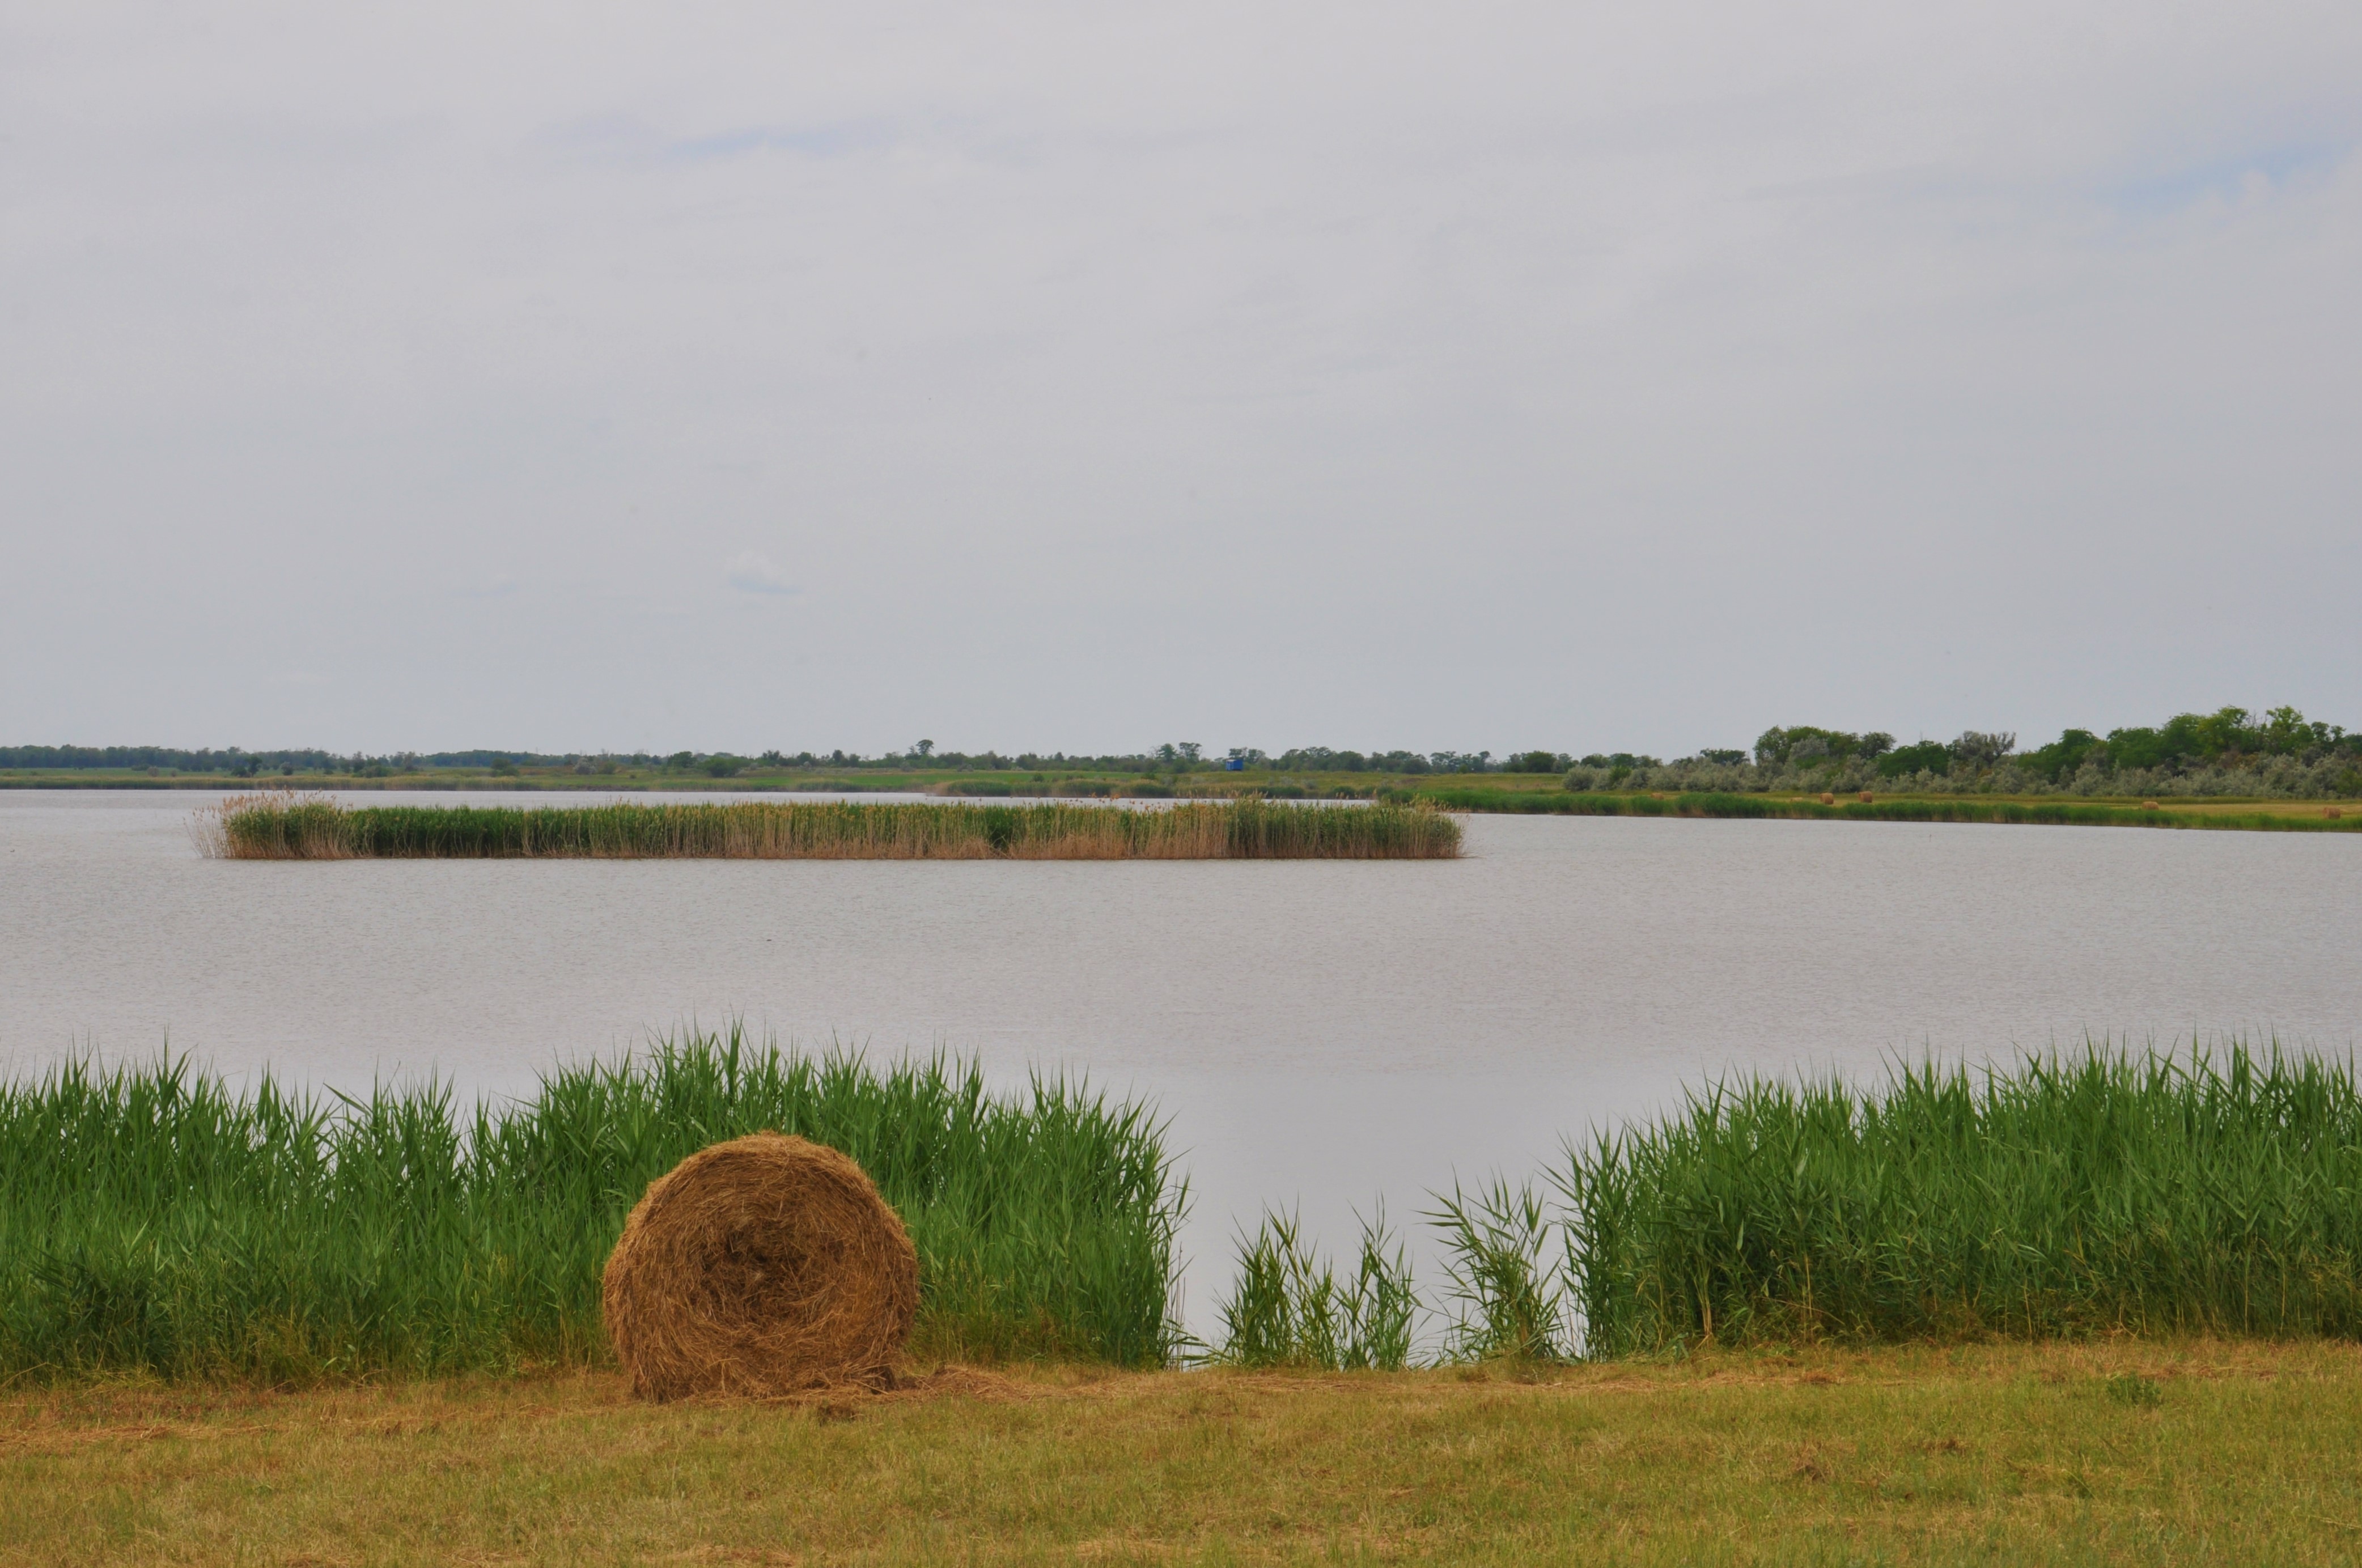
x: 2332, y: 812
x: 1827, y: 799
x: 2149, y: 806
x: 1865, y: 797
x: 760, y: 1267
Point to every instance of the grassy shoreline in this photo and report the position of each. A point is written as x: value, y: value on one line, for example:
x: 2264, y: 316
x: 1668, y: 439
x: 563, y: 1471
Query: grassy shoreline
x: 154, y: 1223
x: 1515, y: 794
x: 2189, y: 1451
x: 2295, y: 816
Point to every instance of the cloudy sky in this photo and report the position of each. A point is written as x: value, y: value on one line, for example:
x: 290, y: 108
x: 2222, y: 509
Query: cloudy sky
x: 1090, y: 376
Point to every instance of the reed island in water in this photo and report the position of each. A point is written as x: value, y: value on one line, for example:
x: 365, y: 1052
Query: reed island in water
x: 313, y: 827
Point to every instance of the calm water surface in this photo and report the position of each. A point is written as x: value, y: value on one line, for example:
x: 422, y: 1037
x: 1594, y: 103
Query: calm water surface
x: 1320, y: 1032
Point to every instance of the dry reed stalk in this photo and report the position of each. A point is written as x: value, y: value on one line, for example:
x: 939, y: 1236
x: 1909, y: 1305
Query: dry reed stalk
x: 760, y: 1267
x: 276, y: 824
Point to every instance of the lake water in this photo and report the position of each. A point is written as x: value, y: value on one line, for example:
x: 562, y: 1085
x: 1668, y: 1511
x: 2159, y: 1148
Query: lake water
x: 1319, y: 1033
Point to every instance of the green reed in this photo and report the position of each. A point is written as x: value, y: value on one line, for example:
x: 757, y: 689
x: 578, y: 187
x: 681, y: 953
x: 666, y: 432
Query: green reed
x: 2096, y: 1192
x: 1509, y: 1296
x: 1289, y: 1307
x: 282, y: 827
x: 153, y: 1219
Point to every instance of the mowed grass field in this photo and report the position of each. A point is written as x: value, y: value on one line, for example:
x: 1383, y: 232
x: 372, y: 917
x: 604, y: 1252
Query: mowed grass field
x: 2122, y: 1453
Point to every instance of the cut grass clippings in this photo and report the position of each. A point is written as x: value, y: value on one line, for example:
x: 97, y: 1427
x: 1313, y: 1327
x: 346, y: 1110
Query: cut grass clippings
x: 276, y: 826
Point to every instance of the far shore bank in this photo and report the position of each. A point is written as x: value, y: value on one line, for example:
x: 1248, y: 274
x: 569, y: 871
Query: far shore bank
x: 1506, y: 793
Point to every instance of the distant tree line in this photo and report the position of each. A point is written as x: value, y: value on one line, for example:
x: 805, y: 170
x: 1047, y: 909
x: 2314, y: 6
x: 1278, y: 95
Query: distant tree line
x: 232, y: 760
x: 236, y: 762
x: 1180, y: 756
x: 2229, y: 752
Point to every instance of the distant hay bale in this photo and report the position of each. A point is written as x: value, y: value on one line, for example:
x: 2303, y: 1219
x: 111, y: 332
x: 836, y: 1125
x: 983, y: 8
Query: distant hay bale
x: 2332, y: 812
x: 1865, y: 797
x: 760, y: 1267
x: 2149, y: 806
x: 1827, y: 799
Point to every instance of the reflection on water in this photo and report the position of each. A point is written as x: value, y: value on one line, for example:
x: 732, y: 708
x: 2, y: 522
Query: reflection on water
x: 1320, y: 1032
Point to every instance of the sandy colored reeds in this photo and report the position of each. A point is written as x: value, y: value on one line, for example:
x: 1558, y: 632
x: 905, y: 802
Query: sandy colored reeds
x: 283, y: 828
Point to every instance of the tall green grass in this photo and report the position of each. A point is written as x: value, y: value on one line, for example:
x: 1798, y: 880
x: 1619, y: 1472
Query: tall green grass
x: 1290, y: 1307
x: 153, y: 1219
x: 1507, y: 1295
x: 2098, y: 1192
x: 282, y: 826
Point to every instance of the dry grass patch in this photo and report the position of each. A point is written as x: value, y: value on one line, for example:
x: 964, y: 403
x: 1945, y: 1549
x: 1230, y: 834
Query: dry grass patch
x: 1915, y: 1456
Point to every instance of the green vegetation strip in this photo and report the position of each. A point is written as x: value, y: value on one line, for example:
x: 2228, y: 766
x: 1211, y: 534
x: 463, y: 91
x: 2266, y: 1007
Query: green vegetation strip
x: 1964, y: 808
x: 2104, y: 1193
x: 153, y: 1221
x: 271, y: 826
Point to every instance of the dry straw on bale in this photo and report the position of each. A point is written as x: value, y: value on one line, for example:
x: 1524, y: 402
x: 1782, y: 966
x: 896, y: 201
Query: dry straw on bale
x: 760, y: 1267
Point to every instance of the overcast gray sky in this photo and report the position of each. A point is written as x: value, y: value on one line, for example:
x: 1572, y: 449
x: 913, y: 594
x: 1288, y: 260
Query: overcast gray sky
x: 1089, y: 376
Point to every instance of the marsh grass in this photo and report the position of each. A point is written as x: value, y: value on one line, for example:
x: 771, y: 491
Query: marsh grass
x: 278, y: 827
x: 2102, y: 1192
x: 154, y: 1221
x: 1507, y: 1290
x: 1289, y: 1307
